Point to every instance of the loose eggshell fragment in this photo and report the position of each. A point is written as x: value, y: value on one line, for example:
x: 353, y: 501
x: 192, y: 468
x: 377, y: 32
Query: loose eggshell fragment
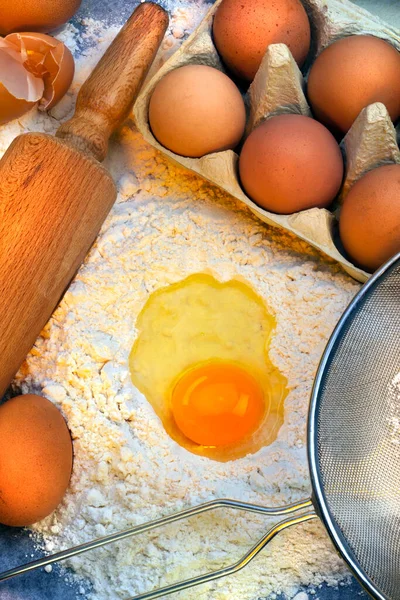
x: 48, y: 59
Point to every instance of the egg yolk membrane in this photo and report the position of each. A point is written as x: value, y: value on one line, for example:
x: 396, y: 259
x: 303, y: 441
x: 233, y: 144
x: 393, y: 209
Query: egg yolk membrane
x: 217, y: 404
x: 201, y: 360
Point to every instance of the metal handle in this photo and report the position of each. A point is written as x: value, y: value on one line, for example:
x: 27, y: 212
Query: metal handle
x: 229, y: 570
x: 184, y: 514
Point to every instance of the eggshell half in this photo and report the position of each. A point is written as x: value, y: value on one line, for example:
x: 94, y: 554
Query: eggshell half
x: 49, y: 59
x: 19, y: 89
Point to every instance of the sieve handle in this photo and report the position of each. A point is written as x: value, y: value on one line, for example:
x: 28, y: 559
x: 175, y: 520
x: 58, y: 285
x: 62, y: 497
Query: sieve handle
x: 178, y: 516
x: 231, y: 569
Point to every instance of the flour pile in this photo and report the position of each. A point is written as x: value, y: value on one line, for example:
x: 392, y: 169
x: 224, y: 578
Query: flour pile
x: 165, y: 225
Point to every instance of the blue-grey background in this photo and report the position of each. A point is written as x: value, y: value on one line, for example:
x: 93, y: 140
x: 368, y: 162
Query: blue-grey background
x: 16, y: 547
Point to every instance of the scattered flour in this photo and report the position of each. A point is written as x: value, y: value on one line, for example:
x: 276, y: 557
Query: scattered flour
x: 167, y: 224
x: 394, y: 422
x: 301, y: 596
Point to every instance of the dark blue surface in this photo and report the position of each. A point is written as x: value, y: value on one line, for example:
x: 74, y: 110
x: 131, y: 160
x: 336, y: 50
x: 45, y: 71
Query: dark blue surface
x: 347, y: 592
x: 16, y: 546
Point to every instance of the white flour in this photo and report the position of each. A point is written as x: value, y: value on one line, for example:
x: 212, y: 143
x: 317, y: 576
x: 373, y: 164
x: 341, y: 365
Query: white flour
x: 165, y: 225
x: 394, y: 421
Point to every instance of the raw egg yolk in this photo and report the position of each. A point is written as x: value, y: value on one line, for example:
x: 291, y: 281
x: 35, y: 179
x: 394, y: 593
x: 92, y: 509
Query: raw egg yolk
x: 216, y: 404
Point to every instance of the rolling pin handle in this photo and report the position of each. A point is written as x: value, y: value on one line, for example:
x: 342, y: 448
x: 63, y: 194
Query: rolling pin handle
x: 106, y: 98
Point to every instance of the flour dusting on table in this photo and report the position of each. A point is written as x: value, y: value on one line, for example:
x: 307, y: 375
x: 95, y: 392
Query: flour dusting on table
x: 165, y: 225
x: 394, y: 409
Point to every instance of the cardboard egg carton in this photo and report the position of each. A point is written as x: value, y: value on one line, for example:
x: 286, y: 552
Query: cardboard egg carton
x: 279, y: 88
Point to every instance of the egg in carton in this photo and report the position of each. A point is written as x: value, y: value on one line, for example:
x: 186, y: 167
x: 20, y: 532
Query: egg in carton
x: 277, y: 88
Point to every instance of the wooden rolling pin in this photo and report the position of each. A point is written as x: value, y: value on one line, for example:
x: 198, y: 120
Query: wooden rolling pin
x: 54, y: 194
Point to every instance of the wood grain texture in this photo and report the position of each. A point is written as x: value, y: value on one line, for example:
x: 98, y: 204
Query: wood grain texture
x: 107, y: 96
x: 54, y: 195
x: 53, y: 201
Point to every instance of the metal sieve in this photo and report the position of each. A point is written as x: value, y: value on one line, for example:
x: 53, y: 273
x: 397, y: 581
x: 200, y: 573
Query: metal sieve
x: 353, y: 451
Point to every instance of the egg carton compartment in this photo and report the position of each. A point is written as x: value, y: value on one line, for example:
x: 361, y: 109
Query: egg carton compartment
x: 277, y: 88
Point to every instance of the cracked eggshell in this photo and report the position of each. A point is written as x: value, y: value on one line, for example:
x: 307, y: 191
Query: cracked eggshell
x: 19, y: 89
x: 48, y: 59
x: 34, y: 68
x: 277, y: 88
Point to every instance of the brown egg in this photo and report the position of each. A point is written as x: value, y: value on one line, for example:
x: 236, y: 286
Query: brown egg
x: 243, y: 29
x: 349, y: 75
x: 195, y: 110
x: 34, y: 68
x: 369, y: 222
x: 291, y: 163
x: 35, y: 459
x: 38, y: 15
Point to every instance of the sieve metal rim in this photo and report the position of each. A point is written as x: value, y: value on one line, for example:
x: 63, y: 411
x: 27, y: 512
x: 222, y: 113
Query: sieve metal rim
x: 318, y: 495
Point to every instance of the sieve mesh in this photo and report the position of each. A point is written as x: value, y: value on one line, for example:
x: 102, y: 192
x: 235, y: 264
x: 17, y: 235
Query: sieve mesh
x: 357, y: 441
